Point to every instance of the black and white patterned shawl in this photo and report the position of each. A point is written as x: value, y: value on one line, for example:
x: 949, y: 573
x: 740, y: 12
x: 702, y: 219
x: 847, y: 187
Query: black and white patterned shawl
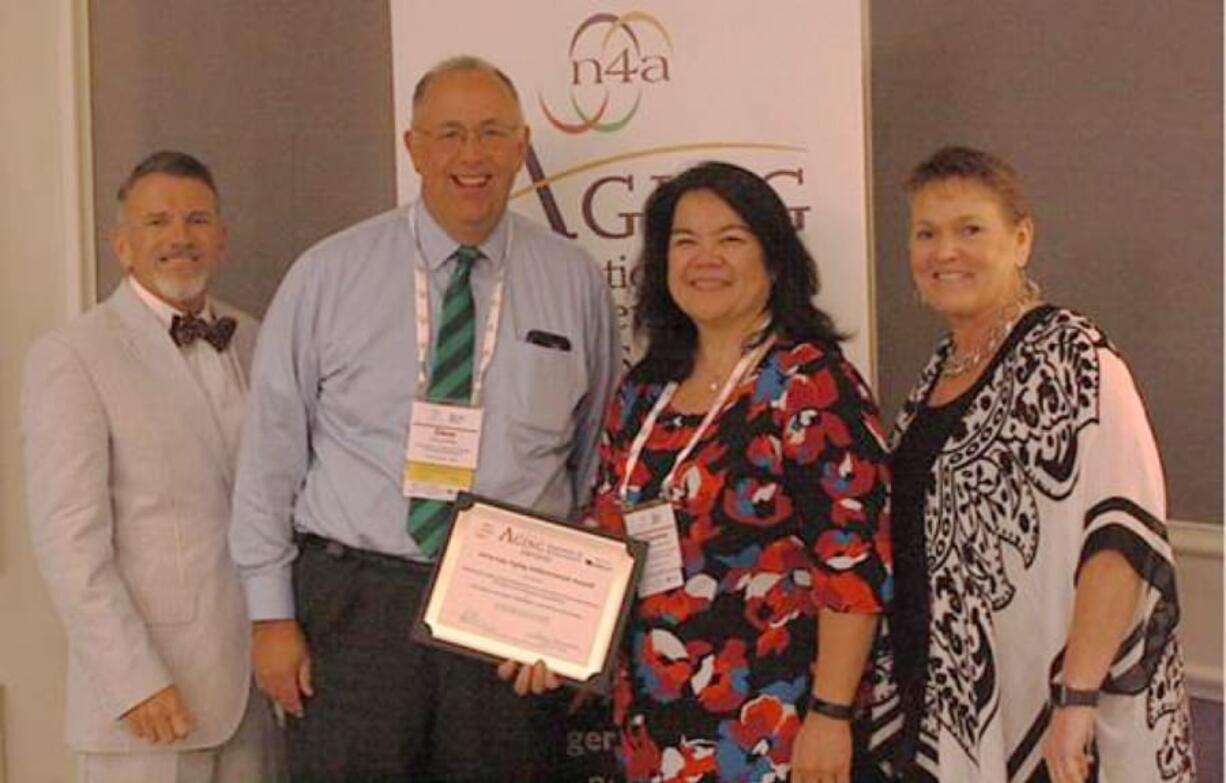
x: 1053, y: 461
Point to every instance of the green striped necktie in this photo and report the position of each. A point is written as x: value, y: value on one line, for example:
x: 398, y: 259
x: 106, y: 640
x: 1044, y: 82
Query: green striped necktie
x: 451, y: 380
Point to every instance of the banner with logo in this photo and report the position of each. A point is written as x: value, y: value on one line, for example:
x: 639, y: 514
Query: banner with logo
x: 619, y: 98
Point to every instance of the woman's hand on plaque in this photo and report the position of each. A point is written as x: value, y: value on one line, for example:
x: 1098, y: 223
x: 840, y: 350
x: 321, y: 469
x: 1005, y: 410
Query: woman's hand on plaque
x: 536, y: 678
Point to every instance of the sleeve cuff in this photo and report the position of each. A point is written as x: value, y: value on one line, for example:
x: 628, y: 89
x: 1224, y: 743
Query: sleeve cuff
x: 270, y: 596
x: 137, y: 691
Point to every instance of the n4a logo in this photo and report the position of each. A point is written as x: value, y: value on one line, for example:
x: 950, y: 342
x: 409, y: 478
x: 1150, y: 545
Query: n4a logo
x: 612, y: 59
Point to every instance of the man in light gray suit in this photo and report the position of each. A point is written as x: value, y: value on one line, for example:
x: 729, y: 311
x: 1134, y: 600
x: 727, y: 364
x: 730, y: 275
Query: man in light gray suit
x: 131, y: 416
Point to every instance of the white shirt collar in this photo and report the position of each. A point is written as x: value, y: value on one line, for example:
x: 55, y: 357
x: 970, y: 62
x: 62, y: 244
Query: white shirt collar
x: 437, y: 245
x: 164, y: 312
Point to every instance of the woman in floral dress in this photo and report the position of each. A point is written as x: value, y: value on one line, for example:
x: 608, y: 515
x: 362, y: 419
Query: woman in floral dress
x: 747, y: 449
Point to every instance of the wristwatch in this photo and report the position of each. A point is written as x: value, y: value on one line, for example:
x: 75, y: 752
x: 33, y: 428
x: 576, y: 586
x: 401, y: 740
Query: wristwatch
x: 1064, y: 696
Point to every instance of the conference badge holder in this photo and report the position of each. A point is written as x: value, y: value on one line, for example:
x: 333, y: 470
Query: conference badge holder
x: 656, y: 524
x: 442, y: 450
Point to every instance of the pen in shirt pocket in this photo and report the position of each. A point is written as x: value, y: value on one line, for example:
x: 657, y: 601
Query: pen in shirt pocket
x: 547, y: 340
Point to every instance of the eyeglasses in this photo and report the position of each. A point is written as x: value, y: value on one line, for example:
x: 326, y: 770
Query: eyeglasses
x: 493, y: 137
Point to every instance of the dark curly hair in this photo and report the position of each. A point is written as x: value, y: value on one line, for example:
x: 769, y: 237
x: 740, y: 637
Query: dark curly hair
x: 671, y: 336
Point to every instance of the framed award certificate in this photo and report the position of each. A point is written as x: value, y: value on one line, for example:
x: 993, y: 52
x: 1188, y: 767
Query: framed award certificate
x: 512, y: 584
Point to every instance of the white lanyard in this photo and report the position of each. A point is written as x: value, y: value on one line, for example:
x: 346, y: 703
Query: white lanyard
x: 747, y: 362
x: 421, y: 292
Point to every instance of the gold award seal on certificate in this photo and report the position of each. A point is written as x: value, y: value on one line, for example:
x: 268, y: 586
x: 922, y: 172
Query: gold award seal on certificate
x: 510, y: 584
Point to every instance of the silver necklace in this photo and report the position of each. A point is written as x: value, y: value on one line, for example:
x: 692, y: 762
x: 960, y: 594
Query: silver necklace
x: 960, y: 365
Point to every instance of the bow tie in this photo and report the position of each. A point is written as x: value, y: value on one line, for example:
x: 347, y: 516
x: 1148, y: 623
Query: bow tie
x: 184, y: 329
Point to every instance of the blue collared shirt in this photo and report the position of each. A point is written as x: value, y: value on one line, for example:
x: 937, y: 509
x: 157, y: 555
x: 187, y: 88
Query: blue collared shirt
x: 335, y: 375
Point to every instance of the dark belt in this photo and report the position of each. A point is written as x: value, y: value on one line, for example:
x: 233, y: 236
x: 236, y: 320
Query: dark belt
x: 338, y: 551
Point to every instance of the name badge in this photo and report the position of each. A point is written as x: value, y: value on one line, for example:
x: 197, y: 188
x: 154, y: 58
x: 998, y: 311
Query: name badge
x: 442, y: 450
x: 656, y: 524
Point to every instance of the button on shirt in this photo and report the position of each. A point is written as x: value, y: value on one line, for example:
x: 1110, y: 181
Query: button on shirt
x: 335, y: 375
x: 216, y: 372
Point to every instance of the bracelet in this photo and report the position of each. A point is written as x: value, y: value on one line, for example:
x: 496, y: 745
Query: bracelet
x: 1064, y: 696
x: 830, y: 709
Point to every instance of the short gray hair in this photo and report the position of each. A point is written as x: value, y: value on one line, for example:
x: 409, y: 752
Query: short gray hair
x: 172, y: 163
x: 462, y: 62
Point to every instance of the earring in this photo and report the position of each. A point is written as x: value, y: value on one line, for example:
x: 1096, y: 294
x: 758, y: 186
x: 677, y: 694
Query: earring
x: 1031, y: 291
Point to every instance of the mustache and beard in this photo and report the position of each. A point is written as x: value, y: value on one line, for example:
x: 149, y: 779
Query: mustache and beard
x: 178, y: 276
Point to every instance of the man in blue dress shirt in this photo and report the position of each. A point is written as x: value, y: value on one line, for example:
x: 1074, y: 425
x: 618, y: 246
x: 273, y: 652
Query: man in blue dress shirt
x: 324, y: 527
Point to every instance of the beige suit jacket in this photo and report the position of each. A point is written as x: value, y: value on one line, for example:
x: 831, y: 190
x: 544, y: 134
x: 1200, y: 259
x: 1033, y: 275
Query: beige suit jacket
x: 128, y: 482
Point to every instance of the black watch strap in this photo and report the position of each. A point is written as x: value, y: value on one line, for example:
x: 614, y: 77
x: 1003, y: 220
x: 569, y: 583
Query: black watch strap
x: 1064, y: 696
x: 830, y: 709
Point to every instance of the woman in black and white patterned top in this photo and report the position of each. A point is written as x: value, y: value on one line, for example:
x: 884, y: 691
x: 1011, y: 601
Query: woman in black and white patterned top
x: 1035, y: 604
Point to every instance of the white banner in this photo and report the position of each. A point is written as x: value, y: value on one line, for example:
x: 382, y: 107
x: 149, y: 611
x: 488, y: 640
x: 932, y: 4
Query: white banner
x: 619, y: 98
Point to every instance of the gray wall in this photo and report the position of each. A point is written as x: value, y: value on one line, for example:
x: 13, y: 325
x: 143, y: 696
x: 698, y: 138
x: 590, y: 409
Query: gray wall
x: 1112, y: 112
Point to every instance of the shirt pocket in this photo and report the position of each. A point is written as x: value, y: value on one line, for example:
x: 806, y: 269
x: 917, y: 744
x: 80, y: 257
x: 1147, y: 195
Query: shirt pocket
x: 548, y: 385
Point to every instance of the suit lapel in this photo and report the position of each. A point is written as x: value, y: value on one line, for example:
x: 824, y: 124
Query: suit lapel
x: 149, y: 342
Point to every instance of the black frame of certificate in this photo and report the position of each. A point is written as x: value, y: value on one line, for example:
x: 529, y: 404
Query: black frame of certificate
x: 602, y: 681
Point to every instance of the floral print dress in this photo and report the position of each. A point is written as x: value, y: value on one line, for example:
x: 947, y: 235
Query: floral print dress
x: 784, y: 509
